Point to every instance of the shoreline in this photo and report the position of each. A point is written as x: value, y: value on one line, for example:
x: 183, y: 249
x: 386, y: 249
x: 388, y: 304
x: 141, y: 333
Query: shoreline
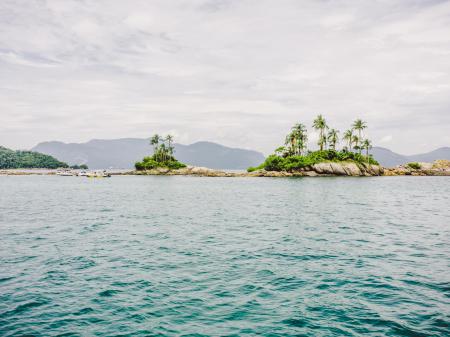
x: 324, y: 169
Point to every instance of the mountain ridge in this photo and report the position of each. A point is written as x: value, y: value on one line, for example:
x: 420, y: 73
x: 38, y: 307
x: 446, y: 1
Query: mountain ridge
x: 124, y: 152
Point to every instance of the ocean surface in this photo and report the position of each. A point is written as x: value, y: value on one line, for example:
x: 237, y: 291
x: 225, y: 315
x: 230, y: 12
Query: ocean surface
x: 187, y: 256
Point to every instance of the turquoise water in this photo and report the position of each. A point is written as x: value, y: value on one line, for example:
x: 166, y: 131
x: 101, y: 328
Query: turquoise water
x: 171, y: 256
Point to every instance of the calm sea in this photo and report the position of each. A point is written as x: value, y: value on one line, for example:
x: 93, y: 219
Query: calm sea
x: 172, y: 256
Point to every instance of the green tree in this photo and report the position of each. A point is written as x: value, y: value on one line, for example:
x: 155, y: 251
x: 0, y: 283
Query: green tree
x: 359, y: 126
x: 367, y: 145
x: 301, y: 136
x: 169, y: 140
x: 333, y: 138
x: 290, y: 142
x: 162, y: 155
x: 348, y: 136
x: 320, y: 125
x: 280, y: 151
x: 154, y: 140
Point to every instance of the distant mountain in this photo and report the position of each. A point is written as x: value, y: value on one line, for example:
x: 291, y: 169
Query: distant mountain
x: 123, y: 153
x: 388, y: 158
x: 441, y: 153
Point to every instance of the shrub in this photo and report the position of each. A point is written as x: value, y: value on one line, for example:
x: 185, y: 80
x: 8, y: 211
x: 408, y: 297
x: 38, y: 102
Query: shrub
x: 149, y: 163
x: 256, y: 168
x: 415, y: 166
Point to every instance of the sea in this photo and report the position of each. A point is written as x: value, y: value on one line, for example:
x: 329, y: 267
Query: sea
x: 197, y: 256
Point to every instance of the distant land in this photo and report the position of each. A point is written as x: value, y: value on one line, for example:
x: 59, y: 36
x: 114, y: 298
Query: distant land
x: 123, y: 153
x: 387, y: 158
x: 10, y: 159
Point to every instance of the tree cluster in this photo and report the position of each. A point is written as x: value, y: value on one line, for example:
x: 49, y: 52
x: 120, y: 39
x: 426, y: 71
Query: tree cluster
x: 163, y: 155
x: 10, y: 159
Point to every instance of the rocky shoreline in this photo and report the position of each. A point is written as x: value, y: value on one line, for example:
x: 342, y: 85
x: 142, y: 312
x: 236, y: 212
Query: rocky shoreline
x: 325, y: 169
x: 317, y: 170
x: 437, y: 168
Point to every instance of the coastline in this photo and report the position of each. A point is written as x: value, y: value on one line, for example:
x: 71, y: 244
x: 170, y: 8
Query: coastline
x: 324, y: 169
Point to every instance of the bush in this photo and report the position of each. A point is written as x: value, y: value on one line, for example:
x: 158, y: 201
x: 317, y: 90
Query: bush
x: 415, y: 166
x: 256, y: 168
x: 79, y: 167
x: 149, y: 163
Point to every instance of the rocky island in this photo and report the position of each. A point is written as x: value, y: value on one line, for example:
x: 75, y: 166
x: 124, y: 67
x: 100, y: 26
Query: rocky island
x: 316, y: 170
x: 437, y: 168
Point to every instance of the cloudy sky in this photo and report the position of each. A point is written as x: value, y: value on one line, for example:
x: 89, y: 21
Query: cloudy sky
x: 236, y: 72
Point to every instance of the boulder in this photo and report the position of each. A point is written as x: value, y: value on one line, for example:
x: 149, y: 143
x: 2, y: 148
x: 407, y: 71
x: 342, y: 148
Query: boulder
x: 338, y: 169
x: 323, y: 168
x: 352, y: 169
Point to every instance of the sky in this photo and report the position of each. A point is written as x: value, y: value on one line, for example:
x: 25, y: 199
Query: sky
x: 236, y: 72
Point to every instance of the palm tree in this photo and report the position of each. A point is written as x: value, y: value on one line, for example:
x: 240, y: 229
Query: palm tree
x: 356, y: 142
x: 155, y: 142
x: 359, y: 126
x: 333, y: 138
x: 367, y: 145
x: 301, y: 137
x: 169, y: 140
x: 290, y: 142
x: 321, y: 125
x: 348, y: 136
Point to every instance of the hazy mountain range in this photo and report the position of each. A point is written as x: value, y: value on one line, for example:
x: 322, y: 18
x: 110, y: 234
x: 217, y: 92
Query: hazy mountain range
x: 123, y: 153
x: 388, y: 158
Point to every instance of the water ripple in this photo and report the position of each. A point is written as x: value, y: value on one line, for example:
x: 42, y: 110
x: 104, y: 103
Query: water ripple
x: 178, y: 256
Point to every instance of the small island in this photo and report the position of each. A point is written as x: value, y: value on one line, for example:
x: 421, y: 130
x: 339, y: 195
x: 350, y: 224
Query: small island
x: 163, y: 155
x: 294, y: 157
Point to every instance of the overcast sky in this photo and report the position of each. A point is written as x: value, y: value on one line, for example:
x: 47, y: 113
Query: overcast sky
x: 235, y: 72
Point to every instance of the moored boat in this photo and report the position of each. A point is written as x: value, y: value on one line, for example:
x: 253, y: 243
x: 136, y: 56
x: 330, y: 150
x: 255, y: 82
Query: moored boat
x: 65, y: 173
x: 98, y: 174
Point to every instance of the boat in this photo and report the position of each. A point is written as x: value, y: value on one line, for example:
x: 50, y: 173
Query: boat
x: 65, y: 173
x: 98, y: 174
x: 82, y: 174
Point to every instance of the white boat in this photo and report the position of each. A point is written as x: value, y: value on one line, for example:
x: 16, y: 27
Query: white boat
x: 82, y: 174
x: 65, y: 173
x: 98, y: 174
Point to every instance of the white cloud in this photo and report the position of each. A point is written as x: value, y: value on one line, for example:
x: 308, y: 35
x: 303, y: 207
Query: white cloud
x: 386, y: 139
x: 237, y: 72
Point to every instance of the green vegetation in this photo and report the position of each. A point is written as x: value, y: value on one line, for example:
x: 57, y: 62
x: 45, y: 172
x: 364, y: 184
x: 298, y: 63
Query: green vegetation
x: 79, y: 167
x: 414, y: 165
x: 10, y: 159
x: 163, y: 157
x: 295, y: 155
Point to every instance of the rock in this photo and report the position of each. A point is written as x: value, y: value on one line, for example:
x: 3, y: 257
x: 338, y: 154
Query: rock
x: 441, y: 164
x: 338, y: 169
x: 323, y: 168
x: 437, y: 168
x: 352, y: 169
x: 376, y: 170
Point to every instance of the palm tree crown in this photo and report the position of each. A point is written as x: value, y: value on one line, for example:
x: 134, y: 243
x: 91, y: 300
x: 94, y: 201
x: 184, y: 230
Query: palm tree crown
x: 333, y: 138
x: 321, y: 125
x: 367, y: 145
x: 348, y: 136
x: 359, y: 126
